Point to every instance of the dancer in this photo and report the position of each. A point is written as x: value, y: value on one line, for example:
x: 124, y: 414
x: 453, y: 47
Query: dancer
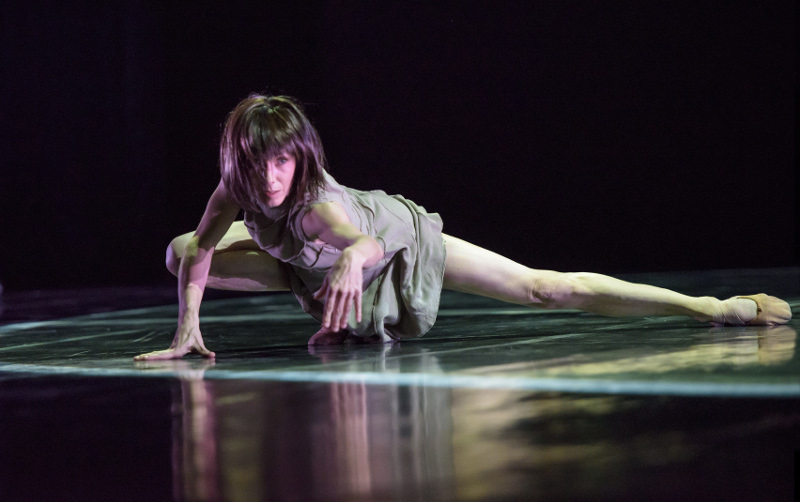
x: 367, y: 265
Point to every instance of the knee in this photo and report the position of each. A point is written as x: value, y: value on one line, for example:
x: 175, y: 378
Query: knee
x: 559, y: 290
x: 174, y: 254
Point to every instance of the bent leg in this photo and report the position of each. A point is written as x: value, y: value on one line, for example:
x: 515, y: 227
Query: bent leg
x: 471, y: 269
x: 237, y: 264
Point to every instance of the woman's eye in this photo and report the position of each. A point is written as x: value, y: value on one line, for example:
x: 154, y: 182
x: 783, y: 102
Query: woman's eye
x: 281, y: 160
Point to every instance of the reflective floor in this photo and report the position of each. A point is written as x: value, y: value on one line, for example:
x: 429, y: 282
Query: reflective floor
x: 495, y: 403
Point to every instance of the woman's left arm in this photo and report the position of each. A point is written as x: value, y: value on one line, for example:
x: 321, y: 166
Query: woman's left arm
x: 341, y: 288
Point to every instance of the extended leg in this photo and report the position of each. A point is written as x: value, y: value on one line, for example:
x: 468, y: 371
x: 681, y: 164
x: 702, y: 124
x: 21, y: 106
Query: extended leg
x: 472, y: 269
x: 237, y: 264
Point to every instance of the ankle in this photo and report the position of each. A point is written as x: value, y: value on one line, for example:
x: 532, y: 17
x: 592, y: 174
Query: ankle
x: 735, y: 311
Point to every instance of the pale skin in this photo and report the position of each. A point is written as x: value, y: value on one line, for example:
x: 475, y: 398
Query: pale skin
x: 221, y: 254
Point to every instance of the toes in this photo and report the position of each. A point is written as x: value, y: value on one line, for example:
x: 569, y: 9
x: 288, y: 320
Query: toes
x: 782, y: 311
x: 327, y: 337
x: 772, y: 310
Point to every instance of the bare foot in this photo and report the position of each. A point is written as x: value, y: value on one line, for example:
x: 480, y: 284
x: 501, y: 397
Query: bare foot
x: 326, y: 336
x: 385, y: 339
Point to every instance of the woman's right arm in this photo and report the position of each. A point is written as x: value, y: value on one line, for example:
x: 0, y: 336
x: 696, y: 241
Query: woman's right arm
x: 193, y: 275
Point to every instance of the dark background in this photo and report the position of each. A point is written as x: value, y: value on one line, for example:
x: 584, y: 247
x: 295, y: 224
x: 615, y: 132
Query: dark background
x: 574, y: 135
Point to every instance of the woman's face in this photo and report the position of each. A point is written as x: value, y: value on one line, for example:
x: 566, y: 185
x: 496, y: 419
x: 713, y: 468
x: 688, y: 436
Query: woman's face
x: 280, y: 174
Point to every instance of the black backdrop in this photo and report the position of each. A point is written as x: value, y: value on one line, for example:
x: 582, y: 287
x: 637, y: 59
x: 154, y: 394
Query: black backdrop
x: 573, y: 135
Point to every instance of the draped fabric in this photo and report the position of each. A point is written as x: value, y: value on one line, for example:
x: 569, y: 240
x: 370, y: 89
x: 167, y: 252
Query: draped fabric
x: 400, y: 293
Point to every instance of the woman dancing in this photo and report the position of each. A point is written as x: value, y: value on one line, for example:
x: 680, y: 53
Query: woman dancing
x: 367, y: 265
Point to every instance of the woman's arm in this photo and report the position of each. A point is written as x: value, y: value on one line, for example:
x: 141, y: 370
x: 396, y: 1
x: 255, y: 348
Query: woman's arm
x: 342, y: 286
x: 193, y: 275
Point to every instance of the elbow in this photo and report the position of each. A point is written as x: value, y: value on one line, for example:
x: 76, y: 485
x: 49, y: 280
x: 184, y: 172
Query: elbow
x: 180, y: 247
x: 192, y: 247
x: 190, y: 252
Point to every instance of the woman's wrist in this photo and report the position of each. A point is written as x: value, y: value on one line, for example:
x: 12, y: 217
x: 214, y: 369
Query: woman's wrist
x: 190, y: 316
x: 190, y: 308
x: 354, y: 257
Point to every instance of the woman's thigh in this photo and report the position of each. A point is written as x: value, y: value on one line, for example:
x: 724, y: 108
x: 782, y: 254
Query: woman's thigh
x: 238, y: 262
x: 237, y: 238
x: 472, y: 269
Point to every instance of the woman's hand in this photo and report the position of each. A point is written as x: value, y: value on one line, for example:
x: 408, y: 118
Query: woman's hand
x: 342, y: 286
x: 192, y: 274
x: 341, y: 289
x: 187, y: 340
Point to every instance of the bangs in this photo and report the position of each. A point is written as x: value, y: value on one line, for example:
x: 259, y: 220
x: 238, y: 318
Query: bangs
x: 266, y: 135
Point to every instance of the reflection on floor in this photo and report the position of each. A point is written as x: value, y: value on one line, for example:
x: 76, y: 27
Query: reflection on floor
x: 497, y: 402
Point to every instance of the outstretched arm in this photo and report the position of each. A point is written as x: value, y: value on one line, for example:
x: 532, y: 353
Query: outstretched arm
x: 341, y: 289
x: 193, y: 275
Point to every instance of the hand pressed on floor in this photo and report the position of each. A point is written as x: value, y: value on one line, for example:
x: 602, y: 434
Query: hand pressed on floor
x: 341, y: 291
x: 188, y: 340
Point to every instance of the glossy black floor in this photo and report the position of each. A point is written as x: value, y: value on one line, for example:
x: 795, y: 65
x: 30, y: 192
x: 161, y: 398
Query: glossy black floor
x: 495, y: 403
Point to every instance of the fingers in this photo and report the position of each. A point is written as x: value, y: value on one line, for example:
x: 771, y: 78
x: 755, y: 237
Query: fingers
x: 203, y: 351
x: 177, y: 353
x: 331, y: 299
x: 324, y: 294
x: 338, y: 307
x: 330, y: 318
x: 327, y: 337
x: 344, y: 305
x: 339, y: 300
x: 193, y: 344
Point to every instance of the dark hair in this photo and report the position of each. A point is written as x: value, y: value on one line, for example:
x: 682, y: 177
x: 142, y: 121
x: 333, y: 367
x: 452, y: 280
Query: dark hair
x: 259, y: 128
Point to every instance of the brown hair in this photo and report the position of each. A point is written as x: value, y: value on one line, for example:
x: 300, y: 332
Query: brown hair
x: 259, y: 128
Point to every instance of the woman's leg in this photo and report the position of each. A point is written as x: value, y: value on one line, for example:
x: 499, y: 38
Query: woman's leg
x: 237, y: 264
x: 475, y: 270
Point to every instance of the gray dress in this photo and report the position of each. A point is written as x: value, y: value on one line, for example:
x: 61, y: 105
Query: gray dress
x: 400, y: 293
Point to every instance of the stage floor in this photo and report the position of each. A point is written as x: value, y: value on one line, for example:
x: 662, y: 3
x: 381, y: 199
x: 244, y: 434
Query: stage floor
x: 497, y: 402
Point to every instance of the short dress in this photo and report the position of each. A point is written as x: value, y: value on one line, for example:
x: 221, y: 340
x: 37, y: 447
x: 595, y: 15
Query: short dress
x: 400, y: 293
